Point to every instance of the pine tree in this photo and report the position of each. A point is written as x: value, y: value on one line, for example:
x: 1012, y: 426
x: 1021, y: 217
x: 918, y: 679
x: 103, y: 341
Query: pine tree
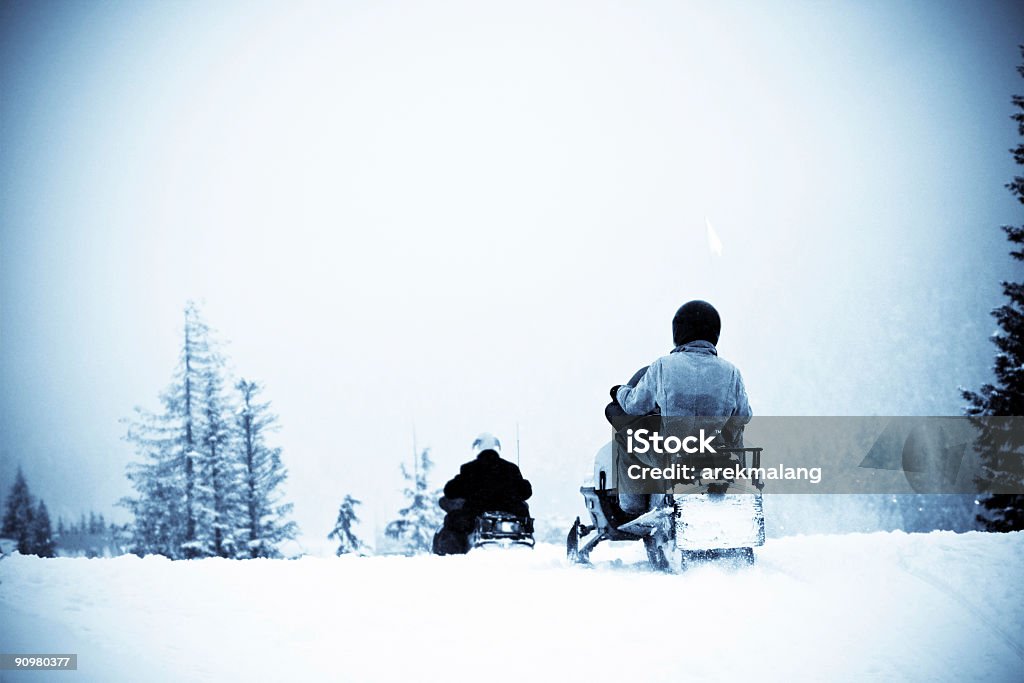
x: 159, y: 510
x: 218, y: 490
x: 172, y: 496
x: 264, y: 522
x: 422, y: 516
x: 18, y: 512
x: 40, y: 533
x: 998, y: 447
x: 207, y: 483
x: 348, y: 542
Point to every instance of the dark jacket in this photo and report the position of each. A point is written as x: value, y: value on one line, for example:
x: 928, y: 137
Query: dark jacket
x: 490, y: 483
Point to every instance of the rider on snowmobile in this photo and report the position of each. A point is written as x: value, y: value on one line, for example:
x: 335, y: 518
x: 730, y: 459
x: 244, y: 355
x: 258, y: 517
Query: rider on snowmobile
x: 691, y: 381
x: 487, y: 484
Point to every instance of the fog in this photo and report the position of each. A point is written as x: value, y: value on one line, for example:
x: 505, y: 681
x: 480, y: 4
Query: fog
x: 426, y: 220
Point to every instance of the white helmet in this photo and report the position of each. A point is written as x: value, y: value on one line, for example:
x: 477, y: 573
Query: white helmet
x: 486, y: 442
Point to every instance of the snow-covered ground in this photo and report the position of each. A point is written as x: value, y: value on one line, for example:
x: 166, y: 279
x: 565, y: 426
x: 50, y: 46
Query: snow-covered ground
x: 884, y: 606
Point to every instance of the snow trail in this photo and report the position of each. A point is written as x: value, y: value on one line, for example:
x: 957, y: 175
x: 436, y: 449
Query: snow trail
x: 883, y: 606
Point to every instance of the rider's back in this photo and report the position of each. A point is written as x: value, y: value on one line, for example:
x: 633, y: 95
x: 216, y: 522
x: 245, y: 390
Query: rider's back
x: 490, y: 483
x: 692, y: 380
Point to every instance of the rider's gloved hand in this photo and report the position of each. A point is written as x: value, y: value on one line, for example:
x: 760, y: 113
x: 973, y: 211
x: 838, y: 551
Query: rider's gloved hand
x: 614, y: 392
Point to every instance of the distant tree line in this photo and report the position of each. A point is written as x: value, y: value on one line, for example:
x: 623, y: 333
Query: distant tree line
x: 26, y: 521
x: 208, y: 483
x: 91, y: 536
x: 91, y: 524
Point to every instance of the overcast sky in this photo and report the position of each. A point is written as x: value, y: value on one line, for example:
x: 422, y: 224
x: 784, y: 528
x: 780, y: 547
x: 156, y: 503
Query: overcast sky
x: 460, y: 216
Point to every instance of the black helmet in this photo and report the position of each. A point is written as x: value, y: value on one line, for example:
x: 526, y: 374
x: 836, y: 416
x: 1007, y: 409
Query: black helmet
x: 696, y: 320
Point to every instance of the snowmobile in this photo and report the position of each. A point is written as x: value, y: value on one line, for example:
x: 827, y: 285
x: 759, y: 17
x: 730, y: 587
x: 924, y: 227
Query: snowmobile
x: 697, y: 521
x: 502, y: 529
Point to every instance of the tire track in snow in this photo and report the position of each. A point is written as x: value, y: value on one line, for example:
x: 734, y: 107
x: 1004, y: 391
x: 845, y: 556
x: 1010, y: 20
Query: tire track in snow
x: 946, y: 589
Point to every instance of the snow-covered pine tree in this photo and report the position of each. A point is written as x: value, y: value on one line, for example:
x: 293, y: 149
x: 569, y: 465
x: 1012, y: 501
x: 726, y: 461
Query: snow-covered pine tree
x: 219, y: 484
x: 159, y: 511
x: 344, y: 530
x: 263, y: 520
x: 18, y: 512
x: 170, y: 492
x: 422, y: 516
x: 40, y: 533
x: 1000, y: 449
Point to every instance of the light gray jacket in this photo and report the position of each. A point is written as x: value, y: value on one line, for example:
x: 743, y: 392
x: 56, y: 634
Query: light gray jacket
x: 692, y: 381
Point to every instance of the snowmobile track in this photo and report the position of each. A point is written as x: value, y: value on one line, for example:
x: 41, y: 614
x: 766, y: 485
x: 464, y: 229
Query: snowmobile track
x: 950, y: 591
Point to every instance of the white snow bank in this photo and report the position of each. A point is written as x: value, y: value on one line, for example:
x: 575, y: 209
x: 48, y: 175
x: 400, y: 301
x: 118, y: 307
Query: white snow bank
x: 879, y: 606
